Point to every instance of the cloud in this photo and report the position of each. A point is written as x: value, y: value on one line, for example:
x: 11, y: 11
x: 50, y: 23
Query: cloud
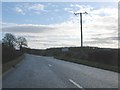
x: 78, y: 8
x: 4, y: 24
x: 100, y: 29
x: 47, y: 35
x: 37, y: 7
x: 91, y: 10
x: 27, y: 8
x: 64, y: 34
x: 25, y: 28
x: 19, y: 10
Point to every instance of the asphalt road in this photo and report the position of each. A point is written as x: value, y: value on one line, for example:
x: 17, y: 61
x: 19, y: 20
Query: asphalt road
x: 47, y: 72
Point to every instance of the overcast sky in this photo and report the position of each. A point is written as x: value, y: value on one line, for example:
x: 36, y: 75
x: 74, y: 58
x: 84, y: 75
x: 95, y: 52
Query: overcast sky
x: 46, y: 25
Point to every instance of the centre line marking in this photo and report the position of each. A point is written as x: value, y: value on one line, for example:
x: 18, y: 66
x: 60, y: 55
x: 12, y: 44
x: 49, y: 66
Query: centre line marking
x: 75, y: 83
x: 49, y: 65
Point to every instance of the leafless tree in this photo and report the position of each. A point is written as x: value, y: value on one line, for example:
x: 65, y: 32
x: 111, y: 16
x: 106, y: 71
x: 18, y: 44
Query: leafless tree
x: 9, y: 39
x: 21, y: 41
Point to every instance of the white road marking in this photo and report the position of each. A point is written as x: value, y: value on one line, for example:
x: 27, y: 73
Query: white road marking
x: 75, y: 83
x: 49, y: 65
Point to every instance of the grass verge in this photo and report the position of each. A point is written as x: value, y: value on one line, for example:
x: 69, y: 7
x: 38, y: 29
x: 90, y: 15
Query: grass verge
x: 12, y: 63
x: 114, y: 68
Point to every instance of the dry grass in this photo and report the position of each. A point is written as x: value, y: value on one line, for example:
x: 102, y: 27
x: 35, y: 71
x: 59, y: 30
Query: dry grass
x: 114, y: 68
x: 11, y: 64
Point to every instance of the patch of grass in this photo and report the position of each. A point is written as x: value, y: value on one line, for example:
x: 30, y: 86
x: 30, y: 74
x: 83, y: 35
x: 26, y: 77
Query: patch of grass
x: 11, y: 64
x: 91, y: 63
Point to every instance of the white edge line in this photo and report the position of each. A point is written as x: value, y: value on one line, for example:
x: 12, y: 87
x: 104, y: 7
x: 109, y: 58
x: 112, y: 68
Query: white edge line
x: 75, y: 83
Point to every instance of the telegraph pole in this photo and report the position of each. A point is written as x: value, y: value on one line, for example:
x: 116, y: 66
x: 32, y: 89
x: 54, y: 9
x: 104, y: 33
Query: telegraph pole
x: 80, y: 14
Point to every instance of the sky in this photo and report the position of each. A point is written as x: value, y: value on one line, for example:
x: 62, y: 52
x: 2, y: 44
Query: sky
x: 53, y: 24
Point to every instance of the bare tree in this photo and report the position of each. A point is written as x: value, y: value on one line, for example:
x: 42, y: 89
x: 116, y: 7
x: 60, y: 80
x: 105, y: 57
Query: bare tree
x: 21, y: 41
x: 9, y: 39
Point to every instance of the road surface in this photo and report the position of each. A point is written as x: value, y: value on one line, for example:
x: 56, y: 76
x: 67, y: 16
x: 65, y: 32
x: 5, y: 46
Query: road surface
x: 48, y: 72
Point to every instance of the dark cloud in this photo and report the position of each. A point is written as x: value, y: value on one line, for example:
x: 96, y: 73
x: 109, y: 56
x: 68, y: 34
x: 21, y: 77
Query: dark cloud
x: 98, y: 40
x: 113, y: 38
x: 27, y: 29
x: 106, y: 27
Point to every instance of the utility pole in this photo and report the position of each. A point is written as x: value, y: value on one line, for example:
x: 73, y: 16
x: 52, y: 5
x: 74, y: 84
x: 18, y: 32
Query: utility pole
x: 81, y: 25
